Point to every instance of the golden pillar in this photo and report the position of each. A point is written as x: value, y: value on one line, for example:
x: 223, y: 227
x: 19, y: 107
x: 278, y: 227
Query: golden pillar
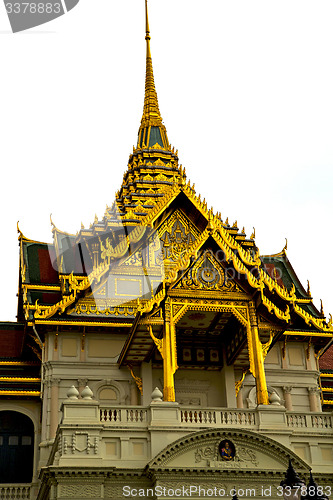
x: 168, y: 349
x: 169, y: 360
x: 256, y: 356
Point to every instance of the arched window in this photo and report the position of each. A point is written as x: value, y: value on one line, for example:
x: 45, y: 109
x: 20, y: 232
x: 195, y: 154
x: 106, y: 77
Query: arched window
x: 108, y: 394
x: 16, y: 447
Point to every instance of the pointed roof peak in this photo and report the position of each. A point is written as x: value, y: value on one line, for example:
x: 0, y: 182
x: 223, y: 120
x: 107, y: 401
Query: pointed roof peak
x: 152, y: 132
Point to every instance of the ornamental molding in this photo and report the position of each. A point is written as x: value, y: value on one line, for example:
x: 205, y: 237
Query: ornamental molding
x: 244, y: 457
x: 250, y: 446
x: 80, y: 442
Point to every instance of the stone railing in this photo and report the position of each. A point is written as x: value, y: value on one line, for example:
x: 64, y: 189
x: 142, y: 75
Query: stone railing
x: 15, y: 492
x: 93, y: 433
x: 217, y: 416
x: 311, y: 421
x: 129, y: 415
x: 197, y: 417
x: 187, y: 415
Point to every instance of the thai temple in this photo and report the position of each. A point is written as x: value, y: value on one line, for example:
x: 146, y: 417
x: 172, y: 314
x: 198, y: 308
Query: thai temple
x: 157, y: 353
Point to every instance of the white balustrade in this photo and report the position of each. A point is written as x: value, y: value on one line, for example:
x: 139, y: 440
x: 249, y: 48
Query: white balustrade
x: 214, y: 417
x: 238, y: 417
x: 15, y: 492
x: 314, y: 421
x: 127, y: 415
x: 110, y: 414
x: 197, y: 416
x: 322, y: 421
x: 296, y: 420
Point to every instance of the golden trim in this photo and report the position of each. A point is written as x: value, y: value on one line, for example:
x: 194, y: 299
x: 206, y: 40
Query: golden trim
x: 307, y: 334
x: 136, y: 379
x: 157, y: 342
x: 20, y: 379
x: 41, y: 287
x: 239, y: 383
x: 19, y: 393
x: 76, y: 323
x: 20, y: 363
x: 155, y: 300
x: 326, y: 375
x: 57, y: 230
x: 95, y: 308
x: 265, y: 347
x: 279, y: 254
x: 28, y: 240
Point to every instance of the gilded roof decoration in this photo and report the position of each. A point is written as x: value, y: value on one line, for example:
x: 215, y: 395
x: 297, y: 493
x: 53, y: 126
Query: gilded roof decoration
x: 155, y: 194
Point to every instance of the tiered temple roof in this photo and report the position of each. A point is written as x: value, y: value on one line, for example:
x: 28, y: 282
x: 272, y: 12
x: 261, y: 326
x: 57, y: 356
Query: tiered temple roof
x: 64, y: 284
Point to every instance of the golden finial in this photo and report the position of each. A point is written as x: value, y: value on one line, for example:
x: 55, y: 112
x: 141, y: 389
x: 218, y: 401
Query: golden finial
x: 308, y: 290
x: 243, y: 230
x: 330, y: 323
x: 285, y: 246
x: 19, y: 231
x: 227, y: 221
x: 322, y: 309
x: 96, y: 219
x: 253, y: 235
x: 210, y: 225
x: 151, y: 116
x: 234, y: 224
x: 82, y: 225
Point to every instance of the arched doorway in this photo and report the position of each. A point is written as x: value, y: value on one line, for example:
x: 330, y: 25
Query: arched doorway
x: 16, y: 447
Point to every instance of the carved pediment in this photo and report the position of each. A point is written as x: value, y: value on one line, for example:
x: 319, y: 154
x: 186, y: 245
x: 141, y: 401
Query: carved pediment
x: 206, y: 273
x: 227, y: 449
x: 177, y: 235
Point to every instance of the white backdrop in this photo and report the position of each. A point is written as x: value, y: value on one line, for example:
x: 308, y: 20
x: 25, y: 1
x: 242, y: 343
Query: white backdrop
x: 245, y: 91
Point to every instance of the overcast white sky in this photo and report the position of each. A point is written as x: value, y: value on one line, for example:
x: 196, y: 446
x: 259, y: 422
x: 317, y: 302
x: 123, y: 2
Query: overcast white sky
x: 245, y: 90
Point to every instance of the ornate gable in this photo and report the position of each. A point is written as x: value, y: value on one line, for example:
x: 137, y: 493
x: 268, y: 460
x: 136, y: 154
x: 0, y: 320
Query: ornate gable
x: 177, y: 235
x: 207, y: 274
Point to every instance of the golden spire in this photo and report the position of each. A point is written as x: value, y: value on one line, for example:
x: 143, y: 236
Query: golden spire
x: 152, y: 132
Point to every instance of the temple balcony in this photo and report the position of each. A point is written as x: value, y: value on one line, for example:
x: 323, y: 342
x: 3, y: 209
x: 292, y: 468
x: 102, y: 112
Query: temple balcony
x: 194, y: 418
x: 100, y: 435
